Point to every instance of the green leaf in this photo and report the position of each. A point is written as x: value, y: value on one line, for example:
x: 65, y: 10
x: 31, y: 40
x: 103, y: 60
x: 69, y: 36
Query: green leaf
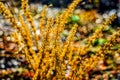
x: 75, y: 18
x: 101, y: 41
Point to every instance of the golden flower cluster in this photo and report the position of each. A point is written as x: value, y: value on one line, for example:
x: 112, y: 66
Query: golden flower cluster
x: 97, y: 34
x: 47, y: 55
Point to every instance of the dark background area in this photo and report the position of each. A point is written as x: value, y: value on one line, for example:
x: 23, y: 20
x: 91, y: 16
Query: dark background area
x: 102, y: 6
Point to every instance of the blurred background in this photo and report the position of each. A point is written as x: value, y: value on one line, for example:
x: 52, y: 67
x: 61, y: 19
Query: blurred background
x: 101, y: 6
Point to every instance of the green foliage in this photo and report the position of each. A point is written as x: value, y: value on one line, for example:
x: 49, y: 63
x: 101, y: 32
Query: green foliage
x: 99, y: 42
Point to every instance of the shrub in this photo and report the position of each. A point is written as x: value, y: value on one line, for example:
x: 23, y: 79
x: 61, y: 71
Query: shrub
x: 47, y: 55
